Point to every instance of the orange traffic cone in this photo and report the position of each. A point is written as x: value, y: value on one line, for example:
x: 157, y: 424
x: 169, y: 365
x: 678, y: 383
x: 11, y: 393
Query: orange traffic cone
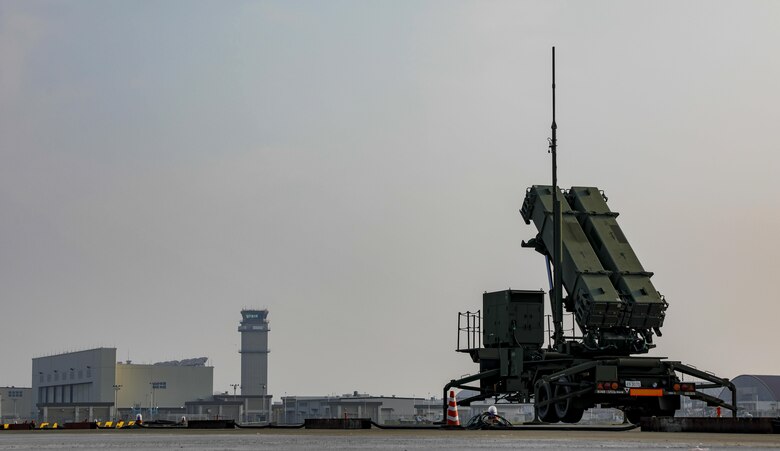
x: 452, y: 410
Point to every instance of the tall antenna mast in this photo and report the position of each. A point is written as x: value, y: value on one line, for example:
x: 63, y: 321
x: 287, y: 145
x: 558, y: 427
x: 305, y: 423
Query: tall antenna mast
x: 557, y: 299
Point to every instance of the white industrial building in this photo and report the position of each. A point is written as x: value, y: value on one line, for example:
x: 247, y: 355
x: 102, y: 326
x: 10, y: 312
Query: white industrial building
x: 74, y: 386
x: 16, y: 404
x: 162, y: 388
x: 85, y: 385
x: 381, y: 409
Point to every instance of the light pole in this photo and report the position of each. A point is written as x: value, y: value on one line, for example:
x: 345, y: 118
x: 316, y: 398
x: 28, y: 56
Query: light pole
x: 266, y: 405
x: 117, y: 387
x: 238, y: 411
x: 151, y: 401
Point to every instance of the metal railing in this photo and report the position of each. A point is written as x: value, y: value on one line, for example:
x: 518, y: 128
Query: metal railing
x: 470, y: 328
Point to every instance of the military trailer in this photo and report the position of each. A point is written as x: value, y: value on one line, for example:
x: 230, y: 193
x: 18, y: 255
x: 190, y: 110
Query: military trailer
x: 616, y: 308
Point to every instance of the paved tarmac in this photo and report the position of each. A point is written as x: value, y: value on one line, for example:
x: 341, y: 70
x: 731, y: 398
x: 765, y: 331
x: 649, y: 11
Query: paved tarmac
x: 374, y: 439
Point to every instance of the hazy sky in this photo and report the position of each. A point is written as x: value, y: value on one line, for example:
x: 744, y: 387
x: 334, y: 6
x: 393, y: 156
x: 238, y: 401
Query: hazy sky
x: 357, y: 168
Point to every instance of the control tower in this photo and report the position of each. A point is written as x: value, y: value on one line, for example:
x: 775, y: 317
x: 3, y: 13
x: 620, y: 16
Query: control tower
x: 254, y: 352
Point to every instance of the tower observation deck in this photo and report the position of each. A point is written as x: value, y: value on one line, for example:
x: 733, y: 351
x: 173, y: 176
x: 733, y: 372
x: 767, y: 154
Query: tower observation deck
x: 254, y: 352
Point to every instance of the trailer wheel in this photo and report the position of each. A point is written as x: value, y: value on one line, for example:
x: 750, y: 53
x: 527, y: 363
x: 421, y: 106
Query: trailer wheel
x: 566, y: 410
x: 633, y: 416
x: 546, y: 412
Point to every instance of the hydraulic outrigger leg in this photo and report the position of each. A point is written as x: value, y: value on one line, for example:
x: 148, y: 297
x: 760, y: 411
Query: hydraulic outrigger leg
x: 459, y: 383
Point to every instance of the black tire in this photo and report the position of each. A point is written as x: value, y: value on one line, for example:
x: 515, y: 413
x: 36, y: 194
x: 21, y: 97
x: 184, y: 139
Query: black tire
x: 547, y: 412
x: 633, y: 416
x: 574, y: 416
x: 566, y: 410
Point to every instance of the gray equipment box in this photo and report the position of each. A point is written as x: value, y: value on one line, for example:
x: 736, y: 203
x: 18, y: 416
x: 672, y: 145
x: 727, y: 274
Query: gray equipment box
x: 513, y: 318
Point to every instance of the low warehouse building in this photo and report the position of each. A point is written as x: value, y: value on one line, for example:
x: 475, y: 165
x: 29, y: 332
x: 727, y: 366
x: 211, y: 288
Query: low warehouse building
x: 757, y: 395
x: 16, y: 404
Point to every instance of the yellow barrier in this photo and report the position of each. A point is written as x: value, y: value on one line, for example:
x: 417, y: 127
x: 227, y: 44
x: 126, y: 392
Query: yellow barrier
x: 43, y: 425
